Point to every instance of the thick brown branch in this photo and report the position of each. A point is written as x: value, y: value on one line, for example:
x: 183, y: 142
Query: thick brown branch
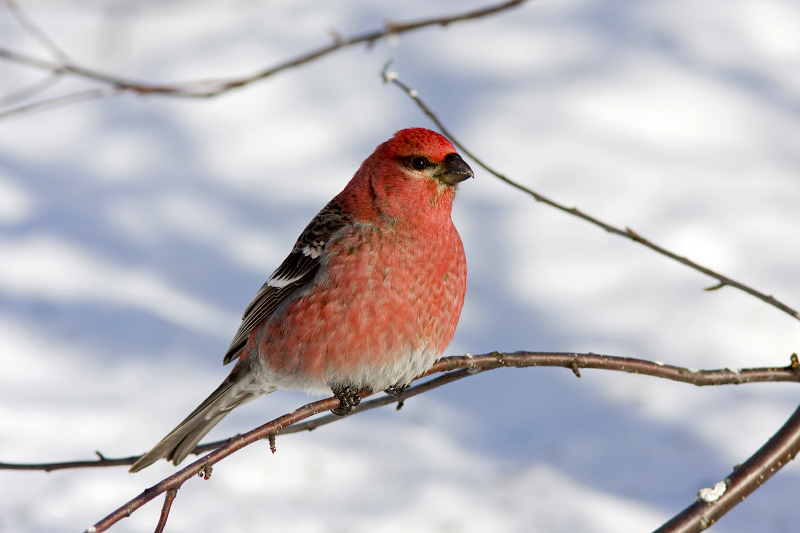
x: 463, y: 366
x: 710, y: 505
x: 210, y: 88
x: 391, y: 77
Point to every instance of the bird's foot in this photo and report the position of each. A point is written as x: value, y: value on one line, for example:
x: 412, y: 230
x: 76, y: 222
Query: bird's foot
x: 348, y: 398
x: 396, y: 390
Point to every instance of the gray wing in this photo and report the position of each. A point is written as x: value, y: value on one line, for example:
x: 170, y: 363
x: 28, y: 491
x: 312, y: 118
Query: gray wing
x: 297, y: 269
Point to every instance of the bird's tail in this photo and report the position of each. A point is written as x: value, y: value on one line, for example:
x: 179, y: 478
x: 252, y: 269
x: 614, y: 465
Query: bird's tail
x: 240, y: 387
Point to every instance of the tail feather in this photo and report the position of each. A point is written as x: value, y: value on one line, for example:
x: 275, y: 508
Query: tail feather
x: 240, y: 387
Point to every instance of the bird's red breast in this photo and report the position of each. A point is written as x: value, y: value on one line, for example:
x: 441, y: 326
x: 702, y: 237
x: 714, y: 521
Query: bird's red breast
x: 386, y: 299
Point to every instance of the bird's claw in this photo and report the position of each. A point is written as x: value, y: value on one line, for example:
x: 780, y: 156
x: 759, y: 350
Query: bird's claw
x: 396, y: 390
x: 348, y: 398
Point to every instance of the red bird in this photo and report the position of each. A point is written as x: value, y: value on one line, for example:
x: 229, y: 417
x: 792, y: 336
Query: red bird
x: 368, y: 298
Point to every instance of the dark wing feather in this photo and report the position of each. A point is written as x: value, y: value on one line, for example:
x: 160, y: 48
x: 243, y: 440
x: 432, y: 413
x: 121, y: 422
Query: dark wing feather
x: 241, y: 386
x: 298, y: 269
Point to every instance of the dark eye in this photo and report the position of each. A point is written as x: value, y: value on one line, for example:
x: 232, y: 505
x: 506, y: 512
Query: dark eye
x: 419, y: 163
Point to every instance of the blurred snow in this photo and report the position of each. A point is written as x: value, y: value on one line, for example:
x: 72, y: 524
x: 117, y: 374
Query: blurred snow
x: 133, y: 232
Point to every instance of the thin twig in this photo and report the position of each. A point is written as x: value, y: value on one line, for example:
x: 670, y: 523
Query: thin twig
x: 203, y: 465
x: 711, y: 504
x: 479, y: 363
x: 211, y: 88
x: 35, y: 31
x: 60, y: 101
x: 30, y: 90
x: 466, y: 366
x: 50, y: 467
x: 29, y: 61
x: 162, y: 520
x: 391, y: 77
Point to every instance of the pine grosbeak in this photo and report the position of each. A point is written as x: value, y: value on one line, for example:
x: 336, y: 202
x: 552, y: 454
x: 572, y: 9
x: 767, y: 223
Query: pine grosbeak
x: 368, y: 298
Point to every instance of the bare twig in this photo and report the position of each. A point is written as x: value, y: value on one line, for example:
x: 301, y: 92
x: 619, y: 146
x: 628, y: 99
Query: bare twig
x: 711, y: 504
x: 35, y: 31
x: 211, y: 88
x: 31, y: 90
x: 479, y: 363
x: 59, y: 101
x: 203, y: 465
x: 30, y: 61
x: 391, y: 77
x: 94, y: 463
x: 464, y: 367
x: 162, y: 520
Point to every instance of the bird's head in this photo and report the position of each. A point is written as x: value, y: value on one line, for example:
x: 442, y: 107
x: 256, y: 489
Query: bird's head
x: 416, y: 171
x: 424, y: 154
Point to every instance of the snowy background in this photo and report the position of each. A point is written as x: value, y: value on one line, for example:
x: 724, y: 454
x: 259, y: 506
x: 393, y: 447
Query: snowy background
x: 133, y: 232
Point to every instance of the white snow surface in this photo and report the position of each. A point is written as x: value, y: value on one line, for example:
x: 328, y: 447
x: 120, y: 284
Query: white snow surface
x: 134, y: 231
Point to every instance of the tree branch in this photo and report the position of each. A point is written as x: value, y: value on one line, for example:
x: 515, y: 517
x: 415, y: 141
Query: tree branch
x: 211, y: 88
x: 711, y: 504
x: 391, y: 77
x: 467, y: 365
x: 162, y: 520
x: 80, y: 96
x: 203, y: 466
x: 35, y: 31
x: 30, y: 90
x: 456, y: 368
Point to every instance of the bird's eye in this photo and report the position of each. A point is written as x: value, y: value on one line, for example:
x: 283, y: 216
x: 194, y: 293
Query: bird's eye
x: 419, y: 163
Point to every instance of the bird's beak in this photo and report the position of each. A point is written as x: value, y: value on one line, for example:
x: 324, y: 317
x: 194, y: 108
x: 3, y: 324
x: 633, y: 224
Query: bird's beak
x: 454, y: 170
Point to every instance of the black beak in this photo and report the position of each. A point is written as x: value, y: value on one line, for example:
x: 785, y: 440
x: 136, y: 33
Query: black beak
x: 454, y: 170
